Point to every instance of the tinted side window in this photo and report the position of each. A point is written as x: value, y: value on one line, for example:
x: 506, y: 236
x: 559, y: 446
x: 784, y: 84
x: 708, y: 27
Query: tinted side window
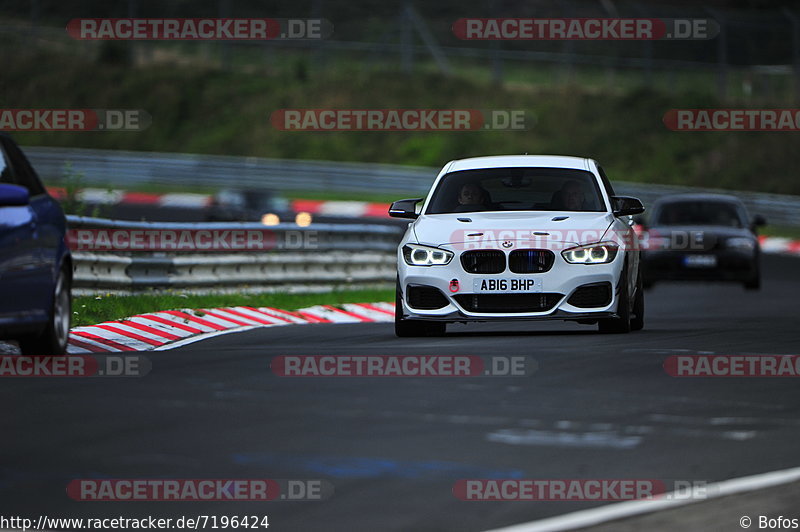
x: 606, y: 182
x: 22, y: 169
x: 7, y: 174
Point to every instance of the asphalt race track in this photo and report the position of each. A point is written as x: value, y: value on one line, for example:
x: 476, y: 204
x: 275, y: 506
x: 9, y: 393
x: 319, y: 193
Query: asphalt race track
x: 599, y: 406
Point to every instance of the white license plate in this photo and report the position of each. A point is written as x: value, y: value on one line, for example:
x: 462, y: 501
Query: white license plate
x: 700, y: 261
x: 509, y: 285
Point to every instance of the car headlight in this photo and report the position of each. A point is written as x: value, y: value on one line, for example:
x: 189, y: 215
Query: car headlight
x: 740, y: 243
x: 270, y: 219
x: 416, y: 255
x: 303, y: 219
x: 600, y: 253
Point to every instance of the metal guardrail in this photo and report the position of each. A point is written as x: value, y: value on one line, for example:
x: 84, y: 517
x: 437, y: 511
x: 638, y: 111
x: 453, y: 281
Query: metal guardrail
x: 340, y: 255
x: 189, y: 170
x: 125, y: 168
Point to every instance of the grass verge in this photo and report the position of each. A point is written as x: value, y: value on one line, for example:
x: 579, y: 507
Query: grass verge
x: 191, y: 111
x: 784, y: 231
x: 90, y: 310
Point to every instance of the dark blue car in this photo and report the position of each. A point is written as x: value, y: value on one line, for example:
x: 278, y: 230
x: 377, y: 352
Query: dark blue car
x: 35, y: 263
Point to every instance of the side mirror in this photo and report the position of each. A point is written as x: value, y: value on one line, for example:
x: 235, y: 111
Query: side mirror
x: 626, y: 206
x: 405, y: 208
x: 13, y: 195
x: 759, y: 221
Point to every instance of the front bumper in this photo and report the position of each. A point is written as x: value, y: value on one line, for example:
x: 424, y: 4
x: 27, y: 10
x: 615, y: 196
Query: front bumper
x: 731, y: 265
x: 563, y: 279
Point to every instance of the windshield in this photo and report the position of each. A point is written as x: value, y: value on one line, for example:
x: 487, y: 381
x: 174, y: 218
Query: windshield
x: 517, y: 189
x: 252, y: 200
x: 700, y: 213
x: 265, y: 201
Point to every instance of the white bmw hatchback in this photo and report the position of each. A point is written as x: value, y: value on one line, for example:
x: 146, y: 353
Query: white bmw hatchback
x: 519, y: 238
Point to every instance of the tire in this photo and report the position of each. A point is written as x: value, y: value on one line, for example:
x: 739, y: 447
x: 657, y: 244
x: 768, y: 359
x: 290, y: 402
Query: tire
x: 414, y: 328
x: 637, y: 319
x: 754, y: 283
x: 622, y: 324
x: 53, y: 340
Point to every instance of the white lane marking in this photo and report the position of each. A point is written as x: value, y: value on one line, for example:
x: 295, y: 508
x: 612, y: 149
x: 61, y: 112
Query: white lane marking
x: 75, y: 350
x: 274, y: 312
x: 215, y: 320
x: 185, y: 321
x: 225, y: 315
x: 203, y: 336
x: 89, y: 341
x: 183, y: 200
x: 331, y: 315
x: 133, y: 330
x: 739, y: 435
x: 385, y: 306
x: 622, y: 510
x: 99, y: 195
x: 591, y: 440
x: 722, y: 421
x: 260, y: 315
x: 775, y: 244
x: 222, y: 318
x: 114, y: 337
x: 343, y: 208
x: 141, y: 320
x: 375, y: 315
x: 105, y: 347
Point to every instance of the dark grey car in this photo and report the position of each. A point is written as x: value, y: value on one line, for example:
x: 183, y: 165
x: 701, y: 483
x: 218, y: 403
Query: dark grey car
x: 707, y: 237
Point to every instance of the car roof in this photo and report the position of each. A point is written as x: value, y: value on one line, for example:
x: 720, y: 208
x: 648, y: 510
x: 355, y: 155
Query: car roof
x: 698, y: 196
x: 505, y: 161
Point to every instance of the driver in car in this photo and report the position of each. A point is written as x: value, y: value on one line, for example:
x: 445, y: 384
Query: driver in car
x: 472, y: 195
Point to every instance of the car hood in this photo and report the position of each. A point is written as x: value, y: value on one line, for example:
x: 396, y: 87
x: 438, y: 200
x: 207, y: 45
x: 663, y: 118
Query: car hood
x: 552, y: 226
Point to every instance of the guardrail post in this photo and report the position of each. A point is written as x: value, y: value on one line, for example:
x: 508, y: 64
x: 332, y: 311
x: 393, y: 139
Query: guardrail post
x: 406, y: 44
x: 722, y: 53
x: 795, y: 22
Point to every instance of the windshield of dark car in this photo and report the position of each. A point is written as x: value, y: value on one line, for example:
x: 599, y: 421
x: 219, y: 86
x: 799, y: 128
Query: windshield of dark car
x: 700, y: 213
x: 517, y: 189
x: 252, y: 200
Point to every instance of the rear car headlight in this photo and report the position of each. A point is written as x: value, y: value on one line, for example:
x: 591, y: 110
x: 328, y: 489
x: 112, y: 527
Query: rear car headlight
x: 416, y: 255
x: 600, y: 253
x: 740, y: 243
x: 303, y: 219
x: 270, y: 219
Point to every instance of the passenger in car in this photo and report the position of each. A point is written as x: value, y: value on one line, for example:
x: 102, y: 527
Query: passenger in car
x: 569, y: 198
